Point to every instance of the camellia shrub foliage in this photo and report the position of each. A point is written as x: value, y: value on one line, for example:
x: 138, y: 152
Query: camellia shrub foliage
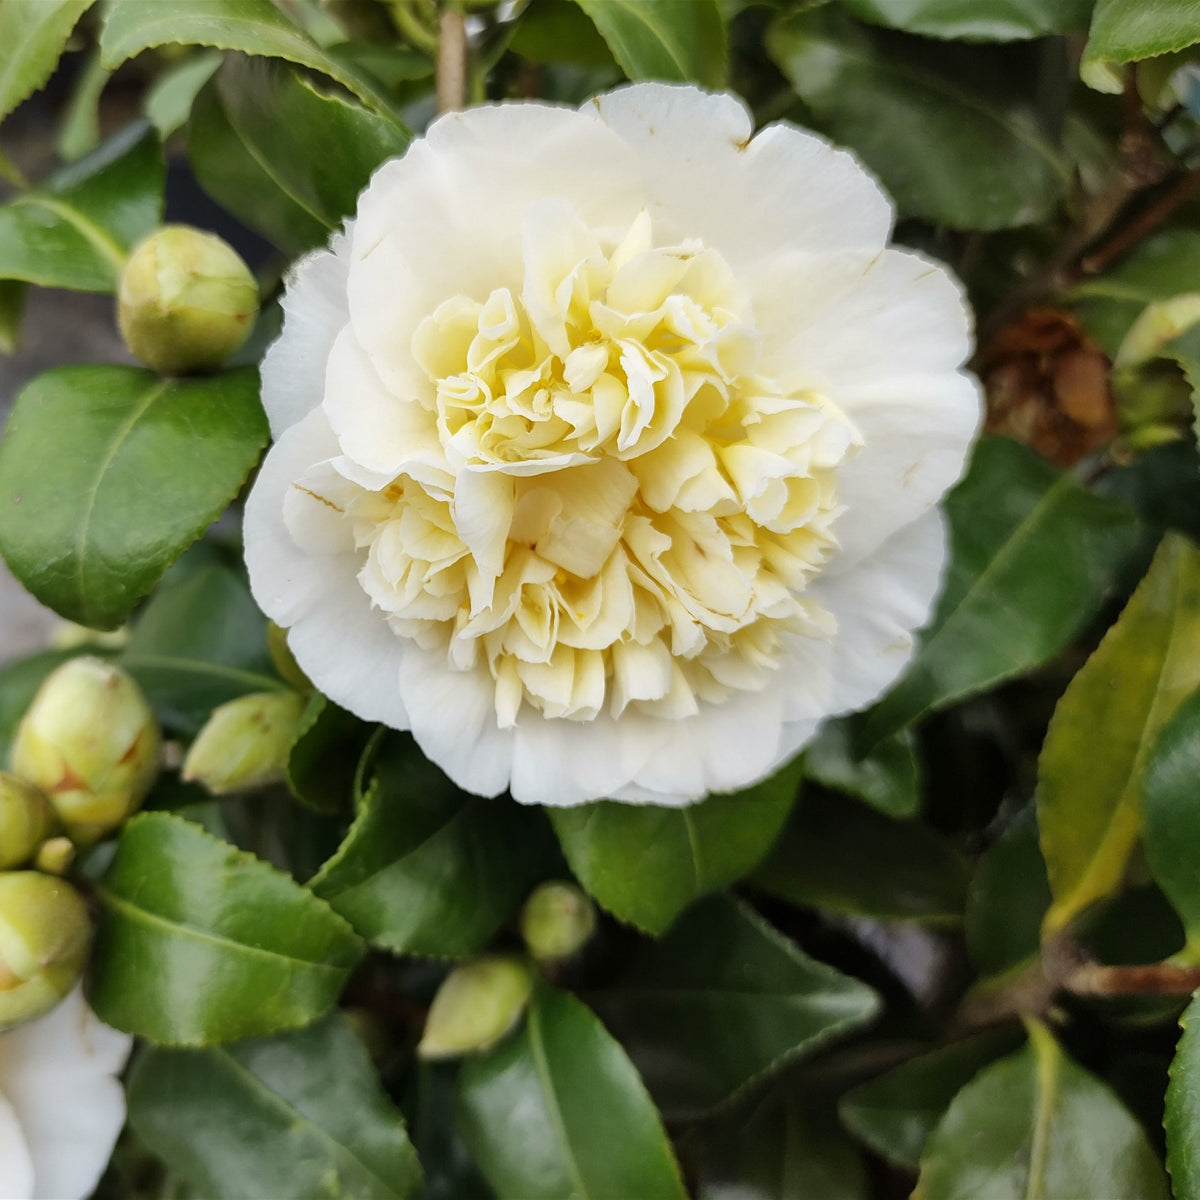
x: 648, y: 645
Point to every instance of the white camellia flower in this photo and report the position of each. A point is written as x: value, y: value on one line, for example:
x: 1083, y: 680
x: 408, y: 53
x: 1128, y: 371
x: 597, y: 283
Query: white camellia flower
x: 608, y: 444
x: 61, y: 1104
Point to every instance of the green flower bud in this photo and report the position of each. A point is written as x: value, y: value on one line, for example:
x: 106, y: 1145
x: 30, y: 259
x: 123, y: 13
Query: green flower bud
x: 557, y: 921
x: 90, y: 742
x: 55, y: 856
x: 44, y: 936
x: 477, y: 1004
x: 244, y: 744
x: 186, y: 300
x: 25, y: 819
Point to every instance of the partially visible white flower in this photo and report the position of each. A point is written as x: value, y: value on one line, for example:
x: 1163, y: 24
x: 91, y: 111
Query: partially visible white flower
x: 61, y: 1104
x: 608, y: 447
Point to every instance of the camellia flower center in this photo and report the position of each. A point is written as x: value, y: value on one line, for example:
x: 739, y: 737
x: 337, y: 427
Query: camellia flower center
x: 623, y: 510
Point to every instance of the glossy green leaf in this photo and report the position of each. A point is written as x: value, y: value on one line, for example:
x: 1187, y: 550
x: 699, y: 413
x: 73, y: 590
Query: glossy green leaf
x: 199, y: 942
x: 75, y: 230
x: 1037, y: 1125
x: 427, y: 868
x: 557, y: 31
x: 894, y: 1113
x: 840, y: 856
x: 1129, y: 30
x: 449, y: 1172
x: 251, y: 26
x: 1171, y: 815
x: 1182, y: 1117
x: 722, y: 1001
x: 33, y: 34
x: 557, y: 1110
x: 300, y: 1115
x: 1008, y: 898
x: 287, y: 159
x: 950, y: 151
x: 983, y: 20
x: 646, y: 864
x: 888, y: 777
x: 663, y: 39
x: 1165, y: 265
x: 781, y: 1151
x: 169, y: 100
x: 322, y: 762
x: 108, y: 473
x: 199, y: 642
x: 1097, y: 745
x: 1032, y: 558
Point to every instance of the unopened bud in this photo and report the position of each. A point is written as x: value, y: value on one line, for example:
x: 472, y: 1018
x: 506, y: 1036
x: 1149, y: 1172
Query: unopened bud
x: 25, y: 819
x: 186, y: 302
x: 557, y: 921
x: 90, y: 742
x: 244, y: 744
x: 55, y: 856
x: 44, y: 936
x: 477, y: 1004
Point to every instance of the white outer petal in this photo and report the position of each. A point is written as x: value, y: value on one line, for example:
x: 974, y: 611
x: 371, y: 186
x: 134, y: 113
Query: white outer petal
x: 751, y: 199
x: 314, y: 310
x: 16, y: 1166
x: 341, y: 642
x: 917, y: 432
x: 59, y: 1075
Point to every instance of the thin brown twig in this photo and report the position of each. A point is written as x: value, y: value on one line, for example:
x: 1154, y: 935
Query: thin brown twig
x: 1143, y: 224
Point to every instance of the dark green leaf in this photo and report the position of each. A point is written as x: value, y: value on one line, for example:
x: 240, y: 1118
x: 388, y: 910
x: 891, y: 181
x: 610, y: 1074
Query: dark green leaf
x: 781, y: 1151
x: 230, y: 173
x: 200, y: 641
x: 323, y: 759
x: 168, y: 102
x: 557, y: 1110
x: 840, y: 856
x: 888, y: 778
x: 1037, y: 1125
x: 557, y: 31
x: 32, y: 36
x: 427, y: 868
x: 1171, y: 816
x: 1089, y: 773
x: 449, y: 1172
x: 251, y: 26
x: 664, y: 39
x: 199, y: 942
x: 722, y: 1001
x: 75, y: 231
x: 1032, y: 558
x: 108, y: 473
x: 984, y: 20
x: 299, y: 1115
x: 1008, y: 898
x: 647, y: 864
x: 894, y: 1113
x: 12, y: 313
x: 1129, y: 30
x: 1163, y: 266
x: 952, y: 150
x: 286, y: 158
x: 1182, y: 1117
